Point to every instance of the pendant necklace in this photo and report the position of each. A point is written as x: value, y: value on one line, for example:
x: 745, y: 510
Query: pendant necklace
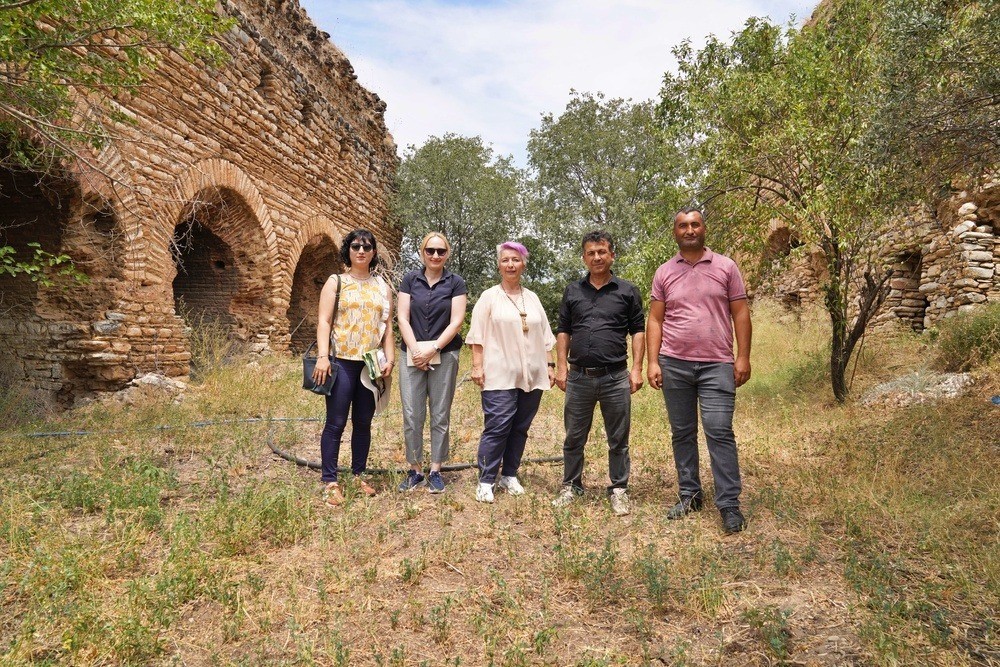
x: 520, y: 309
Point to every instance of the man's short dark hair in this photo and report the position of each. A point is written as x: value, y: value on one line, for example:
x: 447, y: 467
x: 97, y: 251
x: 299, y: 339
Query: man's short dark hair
x: 690, y: 209
x: 364, y: 236
x: 598, y: 236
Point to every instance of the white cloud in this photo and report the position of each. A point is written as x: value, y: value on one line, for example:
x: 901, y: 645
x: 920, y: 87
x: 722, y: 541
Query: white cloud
x: 493, y: 68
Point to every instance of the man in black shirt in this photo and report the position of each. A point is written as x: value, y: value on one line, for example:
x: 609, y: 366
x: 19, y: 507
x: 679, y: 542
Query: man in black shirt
x: 596, y: 317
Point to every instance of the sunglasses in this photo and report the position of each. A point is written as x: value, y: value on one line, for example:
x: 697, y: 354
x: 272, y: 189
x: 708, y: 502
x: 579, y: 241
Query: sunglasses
x: 367, y: 247
x: 440, y: 252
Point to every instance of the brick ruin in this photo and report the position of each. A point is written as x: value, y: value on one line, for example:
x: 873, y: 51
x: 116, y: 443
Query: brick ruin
x: 226, y: 201
x: 945, y: 260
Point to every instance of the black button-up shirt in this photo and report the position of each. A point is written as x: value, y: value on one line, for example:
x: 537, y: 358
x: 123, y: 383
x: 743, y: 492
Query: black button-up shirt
x: 430, y: 305
x: 600, y: 321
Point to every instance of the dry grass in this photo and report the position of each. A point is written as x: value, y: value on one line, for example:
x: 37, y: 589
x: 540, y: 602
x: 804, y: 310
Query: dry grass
x: 873, y: 537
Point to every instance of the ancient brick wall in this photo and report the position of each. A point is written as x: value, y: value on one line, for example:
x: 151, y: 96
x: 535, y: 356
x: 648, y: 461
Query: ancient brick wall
x: 226, y: 200
x: 944, y: 260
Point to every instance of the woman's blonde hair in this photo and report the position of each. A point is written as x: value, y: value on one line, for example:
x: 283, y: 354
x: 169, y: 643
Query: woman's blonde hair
x: 430, y: 235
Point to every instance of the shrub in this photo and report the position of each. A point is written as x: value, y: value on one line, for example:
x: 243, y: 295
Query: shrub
x: 210, y: 339
x: 969, y: 339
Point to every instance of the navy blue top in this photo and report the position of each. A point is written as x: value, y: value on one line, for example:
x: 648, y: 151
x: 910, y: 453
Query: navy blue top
x: 430, y: 306
x: 599, y: 321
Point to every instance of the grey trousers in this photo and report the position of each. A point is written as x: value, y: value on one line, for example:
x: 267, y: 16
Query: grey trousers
x: 583, y: 394
x: 688, y: 386
x: 417, y: 389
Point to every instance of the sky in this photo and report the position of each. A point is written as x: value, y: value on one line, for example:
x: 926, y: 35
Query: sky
x: 493, y: 67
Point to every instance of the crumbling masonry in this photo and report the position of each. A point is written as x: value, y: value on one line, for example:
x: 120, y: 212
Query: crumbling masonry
x: 227, y: 202
x: 944, y: 260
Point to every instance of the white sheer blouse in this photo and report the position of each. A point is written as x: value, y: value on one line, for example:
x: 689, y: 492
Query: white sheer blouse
x: 512, y: 358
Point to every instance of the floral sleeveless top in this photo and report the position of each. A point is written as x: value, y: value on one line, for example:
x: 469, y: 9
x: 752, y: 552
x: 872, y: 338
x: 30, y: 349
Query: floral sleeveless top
x: 361, y: 316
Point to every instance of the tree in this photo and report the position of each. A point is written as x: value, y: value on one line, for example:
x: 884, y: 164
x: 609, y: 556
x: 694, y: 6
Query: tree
x: 940, y: 69
x: 62, y: 65
x: 457, y: 186
x: 774, y: 124
x: 63, y: 62
x: 601, y: 164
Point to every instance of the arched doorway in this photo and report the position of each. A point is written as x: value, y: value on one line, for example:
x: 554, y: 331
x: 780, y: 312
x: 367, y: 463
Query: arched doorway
x: 222, y: 281
x: 47, y: 339
x: 319, y: 259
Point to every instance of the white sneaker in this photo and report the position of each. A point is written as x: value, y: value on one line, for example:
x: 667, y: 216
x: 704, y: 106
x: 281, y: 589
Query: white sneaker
x: 484, y: 492
x: 510, y: 485
x: 566, y: 496
x: 619, y: 502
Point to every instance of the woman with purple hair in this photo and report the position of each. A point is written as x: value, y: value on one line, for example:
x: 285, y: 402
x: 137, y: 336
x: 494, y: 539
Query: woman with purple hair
x: 511, y: 342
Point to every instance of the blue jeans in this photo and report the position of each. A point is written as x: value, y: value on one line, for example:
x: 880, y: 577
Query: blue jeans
x: 583, y: 394
x: 507, y: 415
x: 348, y: 395
x: 710, y: 386
x: 417, y: 389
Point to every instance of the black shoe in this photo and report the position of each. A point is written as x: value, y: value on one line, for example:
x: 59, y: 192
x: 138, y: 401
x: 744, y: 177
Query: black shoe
x: 732, y: 520
x: 687, y: 505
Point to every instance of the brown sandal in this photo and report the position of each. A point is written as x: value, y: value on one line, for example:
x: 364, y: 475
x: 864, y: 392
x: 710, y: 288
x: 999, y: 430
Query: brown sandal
x: 332, y: 494
x: 366, y: 488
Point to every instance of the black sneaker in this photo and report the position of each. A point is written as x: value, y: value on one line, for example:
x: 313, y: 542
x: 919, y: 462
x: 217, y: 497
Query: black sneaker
x: 413, y: 479
x: 732, y: 520
x: 687, y: 505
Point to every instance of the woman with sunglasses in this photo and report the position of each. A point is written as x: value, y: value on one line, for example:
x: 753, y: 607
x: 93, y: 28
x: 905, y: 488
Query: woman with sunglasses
x: 363, y: 313
x: 431, y: 311
x: 511, y: 342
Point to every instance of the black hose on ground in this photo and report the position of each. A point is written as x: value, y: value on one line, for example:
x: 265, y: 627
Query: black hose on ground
x: 315, y: 465
x: 447, y: 467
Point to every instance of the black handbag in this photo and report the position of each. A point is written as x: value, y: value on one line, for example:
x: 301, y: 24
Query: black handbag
x: 309, y: 363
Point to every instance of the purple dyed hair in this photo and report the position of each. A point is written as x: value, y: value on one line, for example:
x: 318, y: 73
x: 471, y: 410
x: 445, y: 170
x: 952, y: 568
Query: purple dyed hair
x: 512, y: 245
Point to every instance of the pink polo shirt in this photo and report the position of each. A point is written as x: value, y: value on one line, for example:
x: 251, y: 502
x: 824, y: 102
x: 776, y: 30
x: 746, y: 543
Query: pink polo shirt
x: 697, y: 324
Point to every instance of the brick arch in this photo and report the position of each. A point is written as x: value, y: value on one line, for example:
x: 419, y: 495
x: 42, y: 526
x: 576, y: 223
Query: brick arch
x: 215, y: 245
x: 222, y: 270
x: 202, y: 177
x: 317, y: 225
x: 313, y: 255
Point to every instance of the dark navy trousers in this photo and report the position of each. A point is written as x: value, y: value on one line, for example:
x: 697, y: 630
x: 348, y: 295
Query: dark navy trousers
x: 349, y: 395
x: 507, y: 415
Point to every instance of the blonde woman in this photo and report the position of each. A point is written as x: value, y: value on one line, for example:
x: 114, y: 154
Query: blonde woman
x: 361, y: 326
x: 511, y: 342
x: 432, y: 303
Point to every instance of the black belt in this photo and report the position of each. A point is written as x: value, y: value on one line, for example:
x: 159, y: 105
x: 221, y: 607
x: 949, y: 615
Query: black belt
x: 598, y: 371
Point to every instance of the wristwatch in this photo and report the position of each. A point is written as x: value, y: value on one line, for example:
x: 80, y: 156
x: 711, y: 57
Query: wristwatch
x: 436, y: 348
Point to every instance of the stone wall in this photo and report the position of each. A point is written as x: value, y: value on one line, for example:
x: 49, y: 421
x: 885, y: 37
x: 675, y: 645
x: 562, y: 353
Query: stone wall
x: 944, y: 260
x: 226, y: 200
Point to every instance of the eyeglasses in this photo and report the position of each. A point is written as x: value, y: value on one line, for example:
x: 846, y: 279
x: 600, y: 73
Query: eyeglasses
x: 440, y: 252
x: 358, y: 246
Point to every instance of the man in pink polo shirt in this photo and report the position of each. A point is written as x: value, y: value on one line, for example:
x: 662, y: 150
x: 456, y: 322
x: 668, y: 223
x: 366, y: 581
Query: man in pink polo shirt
x: 698, y: 300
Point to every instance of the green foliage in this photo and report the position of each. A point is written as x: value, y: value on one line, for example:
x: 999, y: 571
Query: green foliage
x: 64, y: 63
x: 42, y: 267
x: 268, y: 514
x: 210, y: 340
x: 771, y: 624
x: 941, y: 69
x: 654, y: 571
x: 774, y: 124
x: 969, y: 339
x: 457, y: 186
x: 127, y: 490
x: 601, y: 164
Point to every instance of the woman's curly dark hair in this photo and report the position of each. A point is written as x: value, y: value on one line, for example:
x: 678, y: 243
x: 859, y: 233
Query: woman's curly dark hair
x: 364, y: 236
